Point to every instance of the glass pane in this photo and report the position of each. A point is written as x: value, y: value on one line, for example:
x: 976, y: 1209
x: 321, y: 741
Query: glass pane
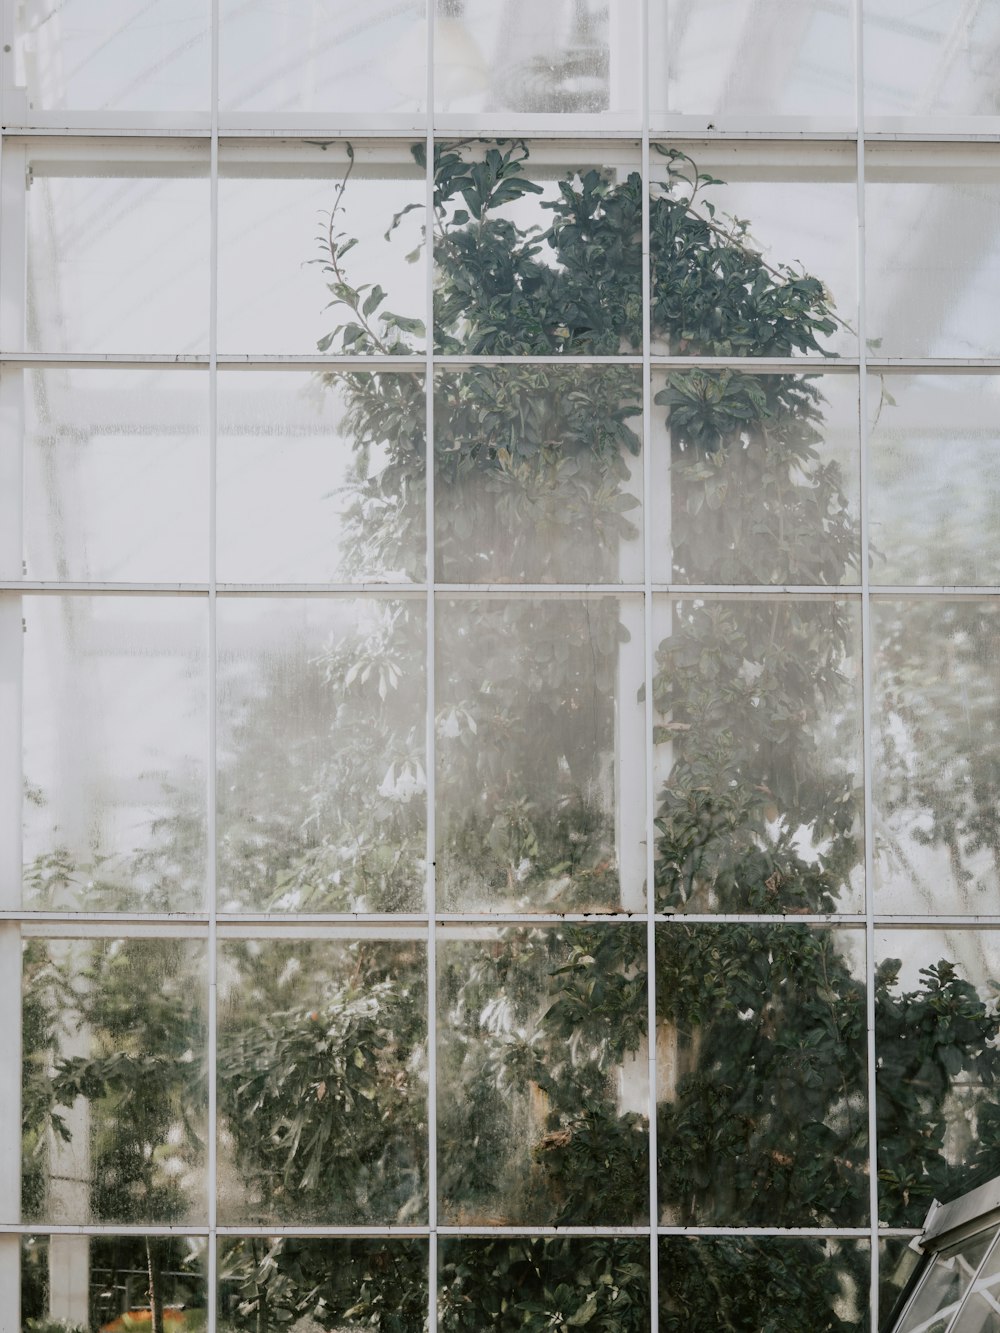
x: 538, y: 474
x: 277, y: 57
x: 756, y: 478
x: 761, y: 1067
x: 722, y: 59
x: 114, y: 733
x: 937, y: 59
x: 937, y: 1066
x: 934, y: 493
x: 945, y: 1283
x: 110, y: 1284
x: 761, y: 1282
x: 321, y: 790
x: 356, y: 1284
x: 116, y: 475
x: 515, y: 1283
x: 543, y: 1094
x: 898, y: 1261
x: 118, y: 248
x: 540, y: 773
x: 936, y: 753
x: 932, y: 289
x: 113, y: 1084
x: 981, y: 1312
x: 537, y: 248
x: 565, y: 56
x: 303, y: 248
x: 757, y: 755
x: 753, y: 249
x: 321, y: 477
x: 137, y: 56
x: 322, y: 1073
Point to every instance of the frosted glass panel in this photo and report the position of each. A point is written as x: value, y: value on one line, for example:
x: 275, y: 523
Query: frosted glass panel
x: 756, y: 478
x: 757, y: 755
x: 936, y: 751
x: 113, y: 1081
x: 769, y: 266
x: 322, y: 1081
x: 322, y: 776
x: 116, y: 475
x: 540, y: 782
x: 725, y: 59
x: 134, y: 56
x: 118, y: 247
x: 761, y: 1067
x: 934, y: 487
x: 321, y: 478
x: 933, y: 249
x: 114, y: 732
x: 525, y: 1134
x: 936, y: 59
x: 285, y: 266
x: 329, y: 56
x: 538, y: 475
x: 563, y: 56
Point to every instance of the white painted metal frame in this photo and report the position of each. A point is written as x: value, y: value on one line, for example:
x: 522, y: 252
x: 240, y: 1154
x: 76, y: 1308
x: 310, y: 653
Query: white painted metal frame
x: 212, y: 925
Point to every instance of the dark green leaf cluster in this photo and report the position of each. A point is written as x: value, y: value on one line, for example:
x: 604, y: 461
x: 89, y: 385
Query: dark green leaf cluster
x: 557, y: 1285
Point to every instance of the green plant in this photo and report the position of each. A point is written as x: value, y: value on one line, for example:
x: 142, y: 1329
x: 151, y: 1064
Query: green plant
x: 761, y: 1028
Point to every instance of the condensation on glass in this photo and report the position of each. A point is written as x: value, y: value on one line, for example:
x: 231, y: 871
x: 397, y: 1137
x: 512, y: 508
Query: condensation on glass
x: 322, y: 1043
x: 321, y: 754
x: 622, y: 650
x: 115, y: 704
x: 934, y: 479
x: 512, y: 1123
x: 115, y: 466
x: 117, y: 241
x: 932, y: 288
x: 536, y: 813
x: 553, y: 493
x: 741, y: 744
x: 935, y: 744
x: 309, y: 488
x: 731, y: 450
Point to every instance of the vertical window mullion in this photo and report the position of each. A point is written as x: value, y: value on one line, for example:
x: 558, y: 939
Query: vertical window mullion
x: 866, y: 681
x: 430, y: 756
x: 212, y: 1256
x: 648, y: 751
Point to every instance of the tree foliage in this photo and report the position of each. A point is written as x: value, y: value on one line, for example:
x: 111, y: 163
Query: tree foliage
x: 761, y: 1029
